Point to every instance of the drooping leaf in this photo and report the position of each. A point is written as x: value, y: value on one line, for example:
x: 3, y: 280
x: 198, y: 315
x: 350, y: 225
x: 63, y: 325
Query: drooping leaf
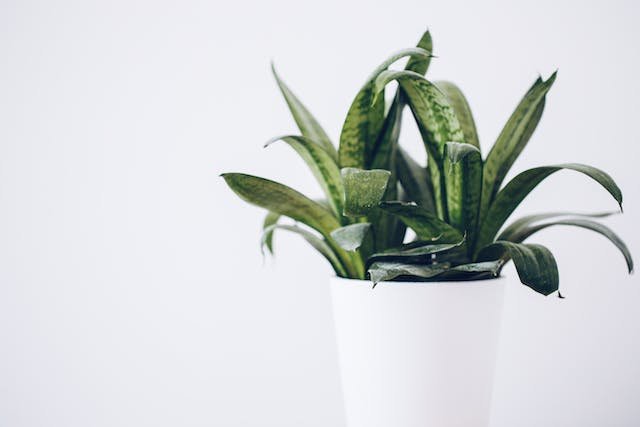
x: 281, y: 199
x: 460, y: 105
x: 519, y: 187
x: 363, y: 190
x: 382, y: 271
x: 415, y: 180
x: 412, y: 253
x: 463, y: 182
x: 426, y: 225
x: 350, y: 237
x: 316, y: 242
x: 535, y: 264
x: 267, y: 236
x: 322, y: 165
x: 518, y: 226
x: 524, y: 233
x: 365, y: 116
x: 308, y: 125
x: 514, y: 137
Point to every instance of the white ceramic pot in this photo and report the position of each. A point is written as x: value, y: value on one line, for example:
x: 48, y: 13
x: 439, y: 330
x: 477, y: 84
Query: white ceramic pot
x: 417, y: 354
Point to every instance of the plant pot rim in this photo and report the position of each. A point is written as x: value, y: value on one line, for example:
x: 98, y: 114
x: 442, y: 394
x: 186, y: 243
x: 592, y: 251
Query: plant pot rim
x: 405, y: 283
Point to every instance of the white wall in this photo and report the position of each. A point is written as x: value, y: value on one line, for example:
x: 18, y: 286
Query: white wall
x: 132, y: 291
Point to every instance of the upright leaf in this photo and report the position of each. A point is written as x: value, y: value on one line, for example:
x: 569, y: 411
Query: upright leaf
x: 415, y: 180
x: 364, y: 118
x: 519, y: 187
x: 322, y: 165
x: 363, y: 190
x: 535, y: 264
x: 512, y: 140
x: 463, y: 182
x: 460, y: 105
x: 420, y: 64
x: 426, y: 225
x: 308, y: 125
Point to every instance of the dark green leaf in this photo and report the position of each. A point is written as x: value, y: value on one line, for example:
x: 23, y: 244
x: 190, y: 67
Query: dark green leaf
x: 535, y: 264
x: 363, y: 190
x: 512, y: 140
x: 316, y: 242
x: 524, y: 232
x: 415, y: 180
x: 412, y: 253
x: 426, y: 225
x: 385, y: 271
x: 516, y: 227
x: 322, y: 165
x: 463, y: 182
x: 460, y: 105
x: 519, y: 187
x: 308, y: 125
x: 350, y: 237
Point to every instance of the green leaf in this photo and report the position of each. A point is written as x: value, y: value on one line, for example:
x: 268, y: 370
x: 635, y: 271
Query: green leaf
x: 412, y: 253
x: 322, y: 165
x: 602, y: 229
x: 308, y: 125
x: 283, y: 200
x: 463, y: 182
x: 461, y: 107
x: 434, y: 116
x: 512, y: 140
x: 426, y: 225
x: 514, y: 229
x: 420, y: 64
x: 267, y: 237
x: 535, y: 264
x: 385, y: 271
x: 350, y: 237
x: 365, y: 117
x: 415, y: 180
x: 363, y: 190
x: 316, y: 242
x: 519, y: 187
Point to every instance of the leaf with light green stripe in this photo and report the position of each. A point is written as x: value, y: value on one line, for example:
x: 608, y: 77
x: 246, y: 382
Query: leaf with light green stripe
x: 420, y: 64
x: 514, y: 137
x: 535, y: 264
x: 460, y: 105
x: 364, y: 118
x: 307, y: 124
x: 463, y: 182
x: 284, y: 200
x: 508, y: 199
x: 426, y: 225
x: 602, y: 229
x: 322, y: 165
x: 415, y: 180
x: 316, y: 242
x: 363, y: 190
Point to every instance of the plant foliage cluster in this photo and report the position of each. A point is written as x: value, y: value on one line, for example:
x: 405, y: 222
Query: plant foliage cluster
x: 456, y: 205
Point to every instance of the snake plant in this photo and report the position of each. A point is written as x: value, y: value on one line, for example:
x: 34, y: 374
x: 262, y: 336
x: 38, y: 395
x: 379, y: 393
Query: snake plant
x: 456, y: 205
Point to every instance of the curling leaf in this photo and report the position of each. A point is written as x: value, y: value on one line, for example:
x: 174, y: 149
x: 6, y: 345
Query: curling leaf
x: 350, y: 237
x: 426, y: 225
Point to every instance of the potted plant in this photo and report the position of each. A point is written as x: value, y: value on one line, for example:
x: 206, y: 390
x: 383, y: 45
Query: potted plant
x: 420, y: 348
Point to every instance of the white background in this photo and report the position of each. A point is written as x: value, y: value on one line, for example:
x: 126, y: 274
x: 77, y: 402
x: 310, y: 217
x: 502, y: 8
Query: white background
x: 132, y: 290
